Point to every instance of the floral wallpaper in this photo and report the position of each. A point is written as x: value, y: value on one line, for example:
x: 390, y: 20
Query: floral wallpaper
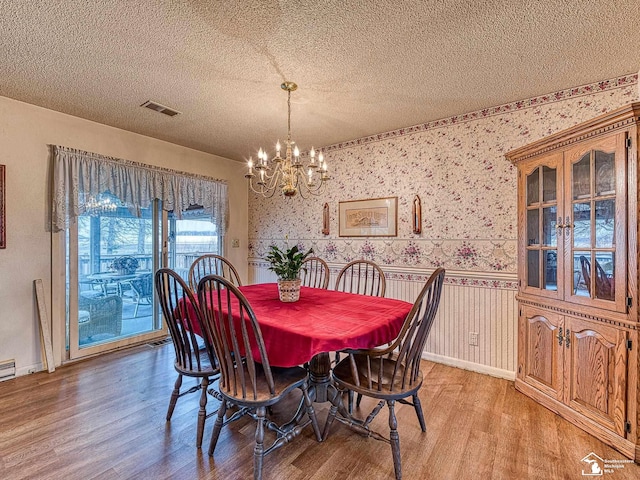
x: 457, y: 167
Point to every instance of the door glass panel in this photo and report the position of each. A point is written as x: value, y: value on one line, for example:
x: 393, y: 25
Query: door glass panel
x: 533, y: 268
x: 605, y: 276
x: 598, y: 282
x: 605, y: 173
x: 550, y: 260
x: 582, y: 225
x: 605, y: 222
x: 548, y: 184
x: 115, y: 267
x: 533, y: 187
x: 581, y: 181
x: 549, y: 217
x: 189, y: 237
x: 594, y: 209
x: 581, y: 274
x: 533, y: 227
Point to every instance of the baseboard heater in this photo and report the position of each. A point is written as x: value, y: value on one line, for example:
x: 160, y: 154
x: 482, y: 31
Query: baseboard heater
x: 159, y: 343
x: 7, y: 369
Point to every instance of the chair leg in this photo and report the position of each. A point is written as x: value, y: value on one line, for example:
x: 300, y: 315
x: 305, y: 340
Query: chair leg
x: 174, y: 396
x: 202, y: 413
x: 418, y: 406
x: 395, y: 439
x: 217, y: 427
x: 311, y: 412
x: 258, y: 450
x: 358, y: 400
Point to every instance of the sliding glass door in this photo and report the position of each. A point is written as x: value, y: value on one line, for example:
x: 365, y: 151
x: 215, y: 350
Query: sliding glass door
x: 113, y: 228
x: 111, y: 257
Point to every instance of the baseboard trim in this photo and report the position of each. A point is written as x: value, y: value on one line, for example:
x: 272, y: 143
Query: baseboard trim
x: 37, y: 367
x: 474, y: 367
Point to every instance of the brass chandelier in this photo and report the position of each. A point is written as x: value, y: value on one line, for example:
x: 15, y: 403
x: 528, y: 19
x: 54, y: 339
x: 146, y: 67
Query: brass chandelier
x: 288, y: 174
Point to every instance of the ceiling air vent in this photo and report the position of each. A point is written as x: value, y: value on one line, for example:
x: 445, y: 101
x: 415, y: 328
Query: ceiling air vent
x: 160, y: 108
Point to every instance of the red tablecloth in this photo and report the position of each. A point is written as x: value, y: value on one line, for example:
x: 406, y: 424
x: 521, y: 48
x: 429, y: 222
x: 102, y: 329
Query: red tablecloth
x: 322, y: 321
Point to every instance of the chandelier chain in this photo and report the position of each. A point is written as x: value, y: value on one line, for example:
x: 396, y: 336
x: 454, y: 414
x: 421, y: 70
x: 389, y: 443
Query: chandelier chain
x: 289, y: 116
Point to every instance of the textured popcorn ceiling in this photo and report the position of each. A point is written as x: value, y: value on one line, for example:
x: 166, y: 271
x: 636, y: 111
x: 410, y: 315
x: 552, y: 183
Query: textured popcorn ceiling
x: 362, y: 67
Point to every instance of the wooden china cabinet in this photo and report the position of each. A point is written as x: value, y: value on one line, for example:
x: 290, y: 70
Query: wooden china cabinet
x: 578, y: 276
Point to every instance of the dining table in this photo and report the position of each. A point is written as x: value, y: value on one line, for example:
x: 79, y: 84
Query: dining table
x: 320, y: 322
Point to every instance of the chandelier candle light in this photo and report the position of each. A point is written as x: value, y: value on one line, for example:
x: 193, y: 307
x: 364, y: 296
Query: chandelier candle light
x: 288, y: 174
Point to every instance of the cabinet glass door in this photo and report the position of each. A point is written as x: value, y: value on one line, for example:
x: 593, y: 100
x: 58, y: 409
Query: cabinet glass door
x: 596, y: 177
x: 541, y: 227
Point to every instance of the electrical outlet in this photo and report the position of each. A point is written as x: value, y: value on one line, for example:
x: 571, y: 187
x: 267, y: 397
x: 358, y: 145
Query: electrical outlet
x: 235, y: 243
x: 473, y: 338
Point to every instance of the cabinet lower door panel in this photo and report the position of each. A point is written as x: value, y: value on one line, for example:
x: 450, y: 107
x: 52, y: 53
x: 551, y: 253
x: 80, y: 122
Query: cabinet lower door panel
x: 541, y: 353
x: 597, y: 373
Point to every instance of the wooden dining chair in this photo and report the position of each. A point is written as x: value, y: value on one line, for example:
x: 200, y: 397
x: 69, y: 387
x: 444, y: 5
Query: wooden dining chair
x: 211, y: 264
x: 390, y: 373
x: 195, y: 356
x: 315, y: 273
x: 247, y: 379
x: 361, y: 276
x: 366, y: 278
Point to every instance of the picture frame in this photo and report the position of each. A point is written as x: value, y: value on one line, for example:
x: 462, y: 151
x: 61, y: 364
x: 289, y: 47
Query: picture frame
x: 376, y: 217
x: 3, y: 218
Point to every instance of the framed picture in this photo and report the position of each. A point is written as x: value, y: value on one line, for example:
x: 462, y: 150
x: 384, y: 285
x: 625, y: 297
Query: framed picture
x: 3, y: 218
x: 377, y: 217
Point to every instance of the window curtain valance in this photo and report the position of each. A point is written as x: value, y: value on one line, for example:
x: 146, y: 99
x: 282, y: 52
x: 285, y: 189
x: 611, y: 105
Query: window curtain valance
x: 80, y: 177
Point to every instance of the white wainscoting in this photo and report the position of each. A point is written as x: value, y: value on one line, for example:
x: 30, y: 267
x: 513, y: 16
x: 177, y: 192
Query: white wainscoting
x: 482, y: 303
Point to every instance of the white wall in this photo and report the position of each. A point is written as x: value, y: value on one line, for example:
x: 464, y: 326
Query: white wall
x: 26, y: 131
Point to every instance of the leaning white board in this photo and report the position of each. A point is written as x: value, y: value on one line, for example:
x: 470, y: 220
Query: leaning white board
x: 44, y: 325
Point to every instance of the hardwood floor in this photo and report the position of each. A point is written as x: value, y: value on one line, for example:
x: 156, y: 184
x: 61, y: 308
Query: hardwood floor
x: 104, y: 418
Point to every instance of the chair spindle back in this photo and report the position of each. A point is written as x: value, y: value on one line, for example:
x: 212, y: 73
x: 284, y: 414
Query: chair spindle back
x: 362, y: 276
x: 184, y: 319
x: 406, y: 350
x: 315, y: 273
x: 211, y: 264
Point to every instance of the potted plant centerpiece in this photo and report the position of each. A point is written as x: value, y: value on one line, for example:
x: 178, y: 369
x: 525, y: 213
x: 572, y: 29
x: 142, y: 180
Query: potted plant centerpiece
x: 287, y: 265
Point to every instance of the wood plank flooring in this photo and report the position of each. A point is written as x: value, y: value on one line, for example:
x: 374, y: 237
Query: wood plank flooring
x: 104, y: 418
